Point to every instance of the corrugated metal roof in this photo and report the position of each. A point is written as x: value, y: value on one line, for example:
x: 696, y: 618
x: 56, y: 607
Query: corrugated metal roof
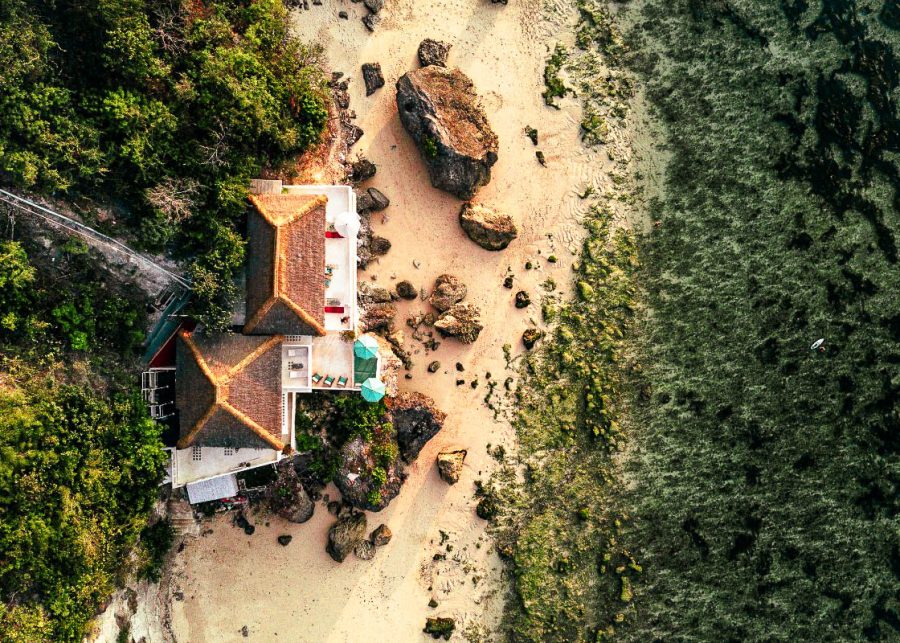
x: 212, y: 489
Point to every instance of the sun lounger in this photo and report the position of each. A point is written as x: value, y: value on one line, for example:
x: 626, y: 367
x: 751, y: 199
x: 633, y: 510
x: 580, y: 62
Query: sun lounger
x: 329, y: 380
x: 316, y: 378
x: 342, y: 381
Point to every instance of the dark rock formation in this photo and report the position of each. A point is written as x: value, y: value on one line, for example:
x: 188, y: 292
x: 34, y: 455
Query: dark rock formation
x: 433, y: 52
x: 440, y: 627
x: 343, y: 15
x: 371, y: 21
x: 344, y: 535
x: 523, y: 299
x: 372, y: 76
x: 462, y: 321
x: 448, y: 290
x: 487, y: 507
x: 355, y: 481
x: 530, y: 337
x: 287, y: 497
x: 364, y: 201
x: 379, y: 246
x: 486, y: 227
x: 434, y: 366
x: 361, y: 170
x: 364, y: 550
x: 508, y: 282
x: 285, y: 539
x: 416, y: 421
x: 379, y: 201
x: 406, y: 290
x: 440, y: 110
x: 374, y: 5
x: 450, y: 464
x: 381, y: 535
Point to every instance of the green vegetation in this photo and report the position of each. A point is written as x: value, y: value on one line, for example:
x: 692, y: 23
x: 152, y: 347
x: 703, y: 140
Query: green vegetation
x: 78, y: 474
x: 156, y: 541
x: 766, y: 497
x: 79, y: 459
x: 557, y: 528
x: 169, y: 106
x: 555, y: 87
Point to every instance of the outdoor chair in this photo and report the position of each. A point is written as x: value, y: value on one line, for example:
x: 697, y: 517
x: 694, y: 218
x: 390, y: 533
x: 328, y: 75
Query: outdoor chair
x: 342, y: 381
x: 316, y: 378
x: 329, y: 380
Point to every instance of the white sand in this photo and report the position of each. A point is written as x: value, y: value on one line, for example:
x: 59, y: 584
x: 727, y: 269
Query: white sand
x: 298, y: 593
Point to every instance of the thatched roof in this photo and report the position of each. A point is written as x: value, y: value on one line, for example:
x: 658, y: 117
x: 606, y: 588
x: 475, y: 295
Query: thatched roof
x: 228, y: 391
x: 286, y: 265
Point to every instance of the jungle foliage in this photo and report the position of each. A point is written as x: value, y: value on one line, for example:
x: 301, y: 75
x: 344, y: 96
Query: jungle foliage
x: 766, y: 474
x: 79, y: 458
x: 170, y: 106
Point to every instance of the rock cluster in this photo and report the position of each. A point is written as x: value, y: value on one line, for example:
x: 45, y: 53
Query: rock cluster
x: 345, y: 534
x: 355, y: 481
x: 488, y: 228
x: 287, y: 497
x: 448, y: 290
x: 450, y: 464
x: 441, y: 112
x: 433, y: 52
x: 416, y: 421
x: 372, y: 77
x: 462, y: 321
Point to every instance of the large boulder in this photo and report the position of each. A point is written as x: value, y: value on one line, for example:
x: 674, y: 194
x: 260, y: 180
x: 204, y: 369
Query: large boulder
x: 440, y: 110
x: 287, y: 497
x: 355, y: 480
x: 416, y: 421
x: 433, y: 52
x: 372, y: 77
x: 450, y: 464
x: 462, y: 321
x: 345, y: 535
x: 488, y: 228
x: 448, y: 290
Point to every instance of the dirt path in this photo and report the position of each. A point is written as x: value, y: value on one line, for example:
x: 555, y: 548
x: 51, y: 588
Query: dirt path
x: 298, y: 593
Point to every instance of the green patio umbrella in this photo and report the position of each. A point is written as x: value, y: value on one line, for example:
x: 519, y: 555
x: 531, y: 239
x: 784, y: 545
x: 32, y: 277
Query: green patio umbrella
x: 366, y: 347
x: 372, y: 390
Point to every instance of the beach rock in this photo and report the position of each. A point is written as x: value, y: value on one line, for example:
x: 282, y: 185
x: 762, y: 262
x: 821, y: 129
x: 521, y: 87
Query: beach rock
x: 245, y: 631
x: 523, y: 299
x: 441, y: 112
x: 450, y: 464
x: 344, y: 535
x: 364, y: 550
x: 362, y: 170
x: 355, y: 481
x: 381, y: 535
x: 405, y: 290
x: 440, y: 627
x: 372, y: 76
x: 433, y: 52
x: 334, y: 507
x: 371, y: 21
x: 508, y: 282
x: 448, y: 290
x: 416, y: 421
x: 374, y: 5
x: 378, y: 317
x: 364, y: 201
x: 487, y: 508
x: 530, y: 337
x: 343, y: 15
x: 487, y: 227
x: 462, y: 321
x: 285, y: 539
x: 377, y: 294
x: 287, y: 497
x: 379, y: 201
x: 434, y: 366
x: 379, y: 246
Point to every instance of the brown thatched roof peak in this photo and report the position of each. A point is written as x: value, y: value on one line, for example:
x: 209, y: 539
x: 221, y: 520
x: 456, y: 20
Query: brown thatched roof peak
x: 286, y: 265
x: 228, y: 391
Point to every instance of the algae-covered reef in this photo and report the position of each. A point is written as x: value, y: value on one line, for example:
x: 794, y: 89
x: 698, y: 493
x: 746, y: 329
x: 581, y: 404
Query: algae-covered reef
x: 765, y: 498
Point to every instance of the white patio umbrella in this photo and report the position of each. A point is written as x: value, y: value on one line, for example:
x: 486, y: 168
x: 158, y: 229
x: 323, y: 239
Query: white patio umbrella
x: 347, y: 224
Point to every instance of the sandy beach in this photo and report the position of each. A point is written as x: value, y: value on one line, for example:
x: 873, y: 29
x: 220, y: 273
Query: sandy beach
x: 298, y: 593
